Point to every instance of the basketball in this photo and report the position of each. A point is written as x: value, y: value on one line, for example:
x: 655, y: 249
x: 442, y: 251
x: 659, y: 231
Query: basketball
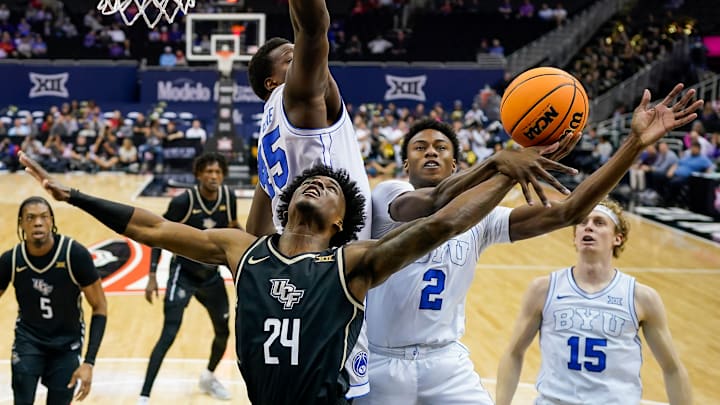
x: 542, y: 105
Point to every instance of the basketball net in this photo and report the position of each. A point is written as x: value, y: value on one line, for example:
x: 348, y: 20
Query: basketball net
x: 225, y: 61
x: 152, y: 11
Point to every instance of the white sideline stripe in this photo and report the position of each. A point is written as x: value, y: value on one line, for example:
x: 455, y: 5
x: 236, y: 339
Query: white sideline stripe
x: 140, y: 189
x: 528, y: 267
x: 237, y: 381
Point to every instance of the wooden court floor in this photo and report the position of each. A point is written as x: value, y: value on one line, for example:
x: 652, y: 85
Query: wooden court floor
x: 684, y: 270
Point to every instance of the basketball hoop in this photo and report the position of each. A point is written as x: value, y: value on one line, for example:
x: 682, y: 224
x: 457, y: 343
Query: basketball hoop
x: 225, y: 59
x: 152, y: 11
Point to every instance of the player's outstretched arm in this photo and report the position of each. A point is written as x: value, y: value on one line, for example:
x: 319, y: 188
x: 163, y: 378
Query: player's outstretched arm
x: 527, y: 166
x: 371, y: 263
x: 260, y: 217
x: 526, y: 327
x: 649, y: 124
x: 214, y: 246
x: 311, y: 95
x: 653, y: 320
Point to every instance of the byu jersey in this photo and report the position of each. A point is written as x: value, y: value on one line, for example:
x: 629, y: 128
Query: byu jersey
x: 296, y: 325
x: 284, y: 152
x: 424, y: 303
x: 589, y: 344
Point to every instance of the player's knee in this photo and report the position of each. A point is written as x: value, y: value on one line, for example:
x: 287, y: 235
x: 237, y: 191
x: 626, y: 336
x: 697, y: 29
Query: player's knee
x: 61, y: 396
x: 23, y: 386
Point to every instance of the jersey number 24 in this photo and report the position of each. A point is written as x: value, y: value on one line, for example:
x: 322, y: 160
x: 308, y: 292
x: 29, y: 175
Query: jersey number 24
x: 289, y: 337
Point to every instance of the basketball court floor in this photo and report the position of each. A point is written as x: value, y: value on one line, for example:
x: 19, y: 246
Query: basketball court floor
x: 684, y: 269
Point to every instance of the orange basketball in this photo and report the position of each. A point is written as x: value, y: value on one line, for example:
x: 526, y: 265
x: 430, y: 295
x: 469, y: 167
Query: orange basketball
x: 542, y: 105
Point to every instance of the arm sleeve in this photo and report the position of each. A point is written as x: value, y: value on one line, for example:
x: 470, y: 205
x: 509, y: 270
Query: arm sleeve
x: 5, y: 269
x: 382, y: 196
x: 232, y: 205
x: 178, y: 207
x: 82, y: 266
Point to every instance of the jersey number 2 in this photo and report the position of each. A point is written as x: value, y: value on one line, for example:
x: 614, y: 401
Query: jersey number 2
x: 289, y: 337
x: 270, y: 159
x: 428, y: 296
x: 590, y: 353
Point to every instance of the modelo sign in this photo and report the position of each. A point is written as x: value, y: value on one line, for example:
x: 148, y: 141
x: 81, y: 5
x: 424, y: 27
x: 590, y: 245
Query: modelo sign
x: 191, y: 87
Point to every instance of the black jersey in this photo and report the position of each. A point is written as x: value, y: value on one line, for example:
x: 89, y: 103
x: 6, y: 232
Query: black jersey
x: 191, y: 209
x: 47, y: 289
x: 296, y: 323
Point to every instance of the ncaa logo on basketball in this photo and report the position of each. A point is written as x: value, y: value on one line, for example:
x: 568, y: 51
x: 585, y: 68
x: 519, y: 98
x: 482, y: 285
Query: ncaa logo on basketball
x: 49, y: 85
x: 359, y: 364
x: 541, y: 123
x: 405, y: 88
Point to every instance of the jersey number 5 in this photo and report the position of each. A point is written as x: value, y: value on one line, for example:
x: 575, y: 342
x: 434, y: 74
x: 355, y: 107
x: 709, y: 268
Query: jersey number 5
x: 591, y: 353
x: 289, y: 337
x: 47, y: 312
x: 428, y: 296
x: 269, y: 160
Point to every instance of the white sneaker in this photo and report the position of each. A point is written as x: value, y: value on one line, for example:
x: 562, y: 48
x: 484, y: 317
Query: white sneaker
x: 143, y: 400
x: 210, y: 385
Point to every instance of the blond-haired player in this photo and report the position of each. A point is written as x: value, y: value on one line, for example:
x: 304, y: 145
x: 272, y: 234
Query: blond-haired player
x: 589, y: 316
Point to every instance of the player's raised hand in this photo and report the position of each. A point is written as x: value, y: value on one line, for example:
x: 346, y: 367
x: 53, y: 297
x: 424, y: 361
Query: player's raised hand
x: 59, y: 191
x: 84, y: 375
x: 566, y: 145
x: 652, y: 123
x: 529, y: 166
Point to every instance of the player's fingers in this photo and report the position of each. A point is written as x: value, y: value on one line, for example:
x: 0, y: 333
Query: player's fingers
x: 73, y: 381
x: 84, y: 390
x: 673, y: 93
x: 539, y: 191
x: 689, y: 95
x: 555, y: 183
x: 549, y: 164
x: 526, y: 192
x: 692, y: 108
x: 645, y: 101
x: 546, y: 150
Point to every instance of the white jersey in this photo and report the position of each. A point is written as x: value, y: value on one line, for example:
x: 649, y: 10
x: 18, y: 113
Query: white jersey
x: 589, y: 344
x: 285, y: 151
x: 424, y: 303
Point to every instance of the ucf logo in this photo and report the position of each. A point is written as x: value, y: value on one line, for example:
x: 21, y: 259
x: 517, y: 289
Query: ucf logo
x: 285, y: 292
x: 406, y: 88
x: 49, y: 85
x: 40, y: 285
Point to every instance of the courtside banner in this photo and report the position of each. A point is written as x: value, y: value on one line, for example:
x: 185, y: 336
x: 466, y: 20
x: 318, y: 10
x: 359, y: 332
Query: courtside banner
x: 405, y: 86
x: 36, y: 84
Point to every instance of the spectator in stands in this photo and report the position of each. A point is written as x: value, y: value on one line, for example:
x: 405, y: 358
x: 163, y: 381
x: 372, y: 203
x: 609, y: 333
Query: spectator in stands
x: 526, y: 9
x: 354, y: 49
x: 34, y: 148
x: 140, y: 130
x: 196, y: 131
x: 679, y: 173
x: 172, y: 132
x: 546, y: 13
x: 168, y: 58
x: 505, y: 9
x: 657, y: 172
x: 710, y: 118
x: 80, y: 155
x: 104, y: 153
x: 4, y: 12
x: 151, y: 152
x: 379, y: 45
x: 697, y: 129
x: 603, y: 150
x: 560, y: 13
x: 496, y: 48
x: 128, y: 156
x: 8, y: 154
x: 640, y: 169
x: 180, y: 58
x: 19, y: 128
x: 58, y: 154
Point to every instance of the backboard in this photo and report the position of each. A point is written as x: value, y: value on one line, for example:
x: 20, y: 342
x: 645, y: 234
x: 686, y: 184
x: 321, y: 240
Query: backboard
x: 206, y: 34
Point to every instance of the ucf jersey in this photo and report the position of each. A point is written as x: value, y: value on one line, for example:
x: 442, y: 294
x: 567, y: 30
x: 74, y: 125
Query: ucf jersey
x: 295, y: 326
x: 191, y: 209
x: 589, y: 343
x: 285, y: 151
x: 47, y: 289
